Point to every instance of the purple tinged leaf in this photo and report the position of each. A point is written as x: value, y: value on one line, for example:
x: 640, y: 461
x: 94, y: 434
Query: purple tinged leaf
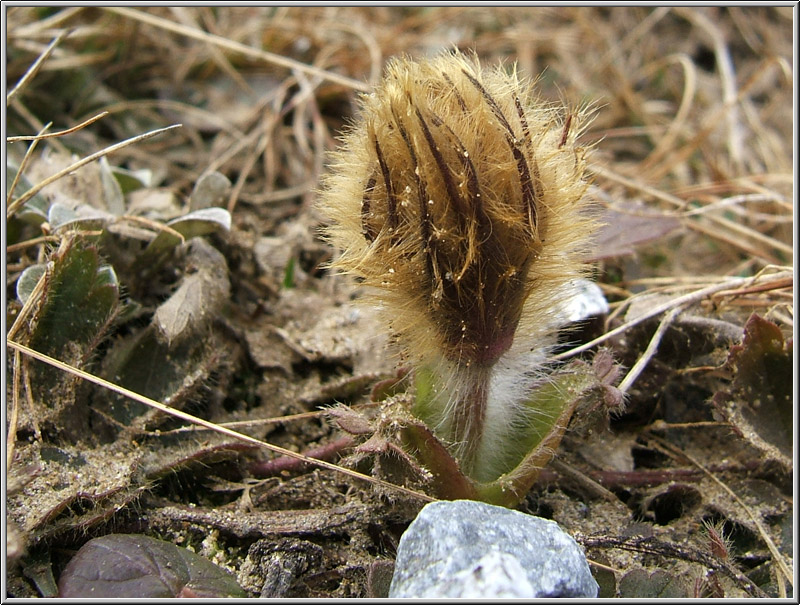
x: 622, y: 233
x: 759, y: 402
x: 136, y: 566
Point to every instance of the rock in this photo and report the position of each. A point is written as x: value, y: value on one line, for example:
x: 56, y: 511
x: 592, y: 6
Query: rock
x: 467, y: 549
x: 497, y: 575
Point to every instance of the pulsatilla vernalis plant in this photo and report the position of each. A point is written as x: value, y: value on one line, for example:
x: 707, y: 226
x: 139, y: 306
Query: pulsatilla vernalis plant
x: 458, y: 198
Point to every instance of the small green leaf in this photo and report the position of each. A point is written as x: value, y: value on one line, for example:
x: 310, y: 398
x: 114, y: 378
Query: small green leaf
x: 106, y: 277
x: 202, y: 222
x: 85, y: 217
x: 112, y: 191
x: 132, y: 180
x: 194, y: 224
x: 210, y: 190
x: 80, y: 298
x: 28, y: 280
x: 60, y: 215
x: 288, y: 275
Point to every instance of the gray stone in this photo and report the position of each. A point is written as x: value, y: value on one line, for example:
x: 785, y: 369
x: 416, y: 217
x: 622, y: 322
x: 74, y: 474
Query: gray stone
x: 496, y: 575
x: 470, y: 549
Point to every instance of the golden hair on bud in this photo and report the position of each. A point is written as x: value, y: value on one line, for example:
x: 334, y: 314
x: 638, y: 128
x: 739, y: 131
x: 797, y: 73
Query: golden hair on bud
x: 458, y: 196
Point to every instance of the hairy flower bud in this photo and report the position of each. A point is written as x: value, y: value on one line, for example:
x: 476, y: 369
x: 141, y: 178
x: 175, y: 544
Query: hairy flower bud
x: 458, y: 196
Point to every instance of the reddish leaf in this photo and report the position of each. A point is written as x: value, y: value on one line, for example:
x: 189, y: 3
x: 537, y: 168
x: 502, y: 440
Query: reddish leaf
x: 136, y: 566
x: 759, y: 402
x: 623, y: 232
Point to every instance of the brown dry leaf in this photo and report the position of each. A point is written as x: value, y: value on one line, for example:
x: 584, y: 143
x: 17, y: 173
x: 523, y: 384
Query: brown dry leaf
x: 622, y: 232
x: 202, y: 292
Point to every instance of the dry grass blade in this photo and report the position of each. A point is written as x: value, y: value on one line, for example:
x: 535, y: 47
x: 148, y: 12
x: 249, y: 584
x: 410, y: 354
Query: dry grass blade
x: 652, y: 347
x: 679, y: 123
x: 18, y: 203
x: 681, y: 301
x: 24, y: 163
x: 14, y: 417
x: 238, y: 47
x: 254, y: 422
x: 60, y: 133
x: 209, y: 425
x: 155, y: 226
x: 34, y: 69
x: 32, y: 242
x: 39, y: 28
x: 734, y: 203
x: 728, y: 77
x: 721, y: 228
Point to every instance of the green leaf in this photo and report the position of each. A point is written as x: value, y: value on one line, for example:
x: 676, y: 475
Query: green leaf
x: 210, y: 190
x: 131, y: 180
x: 79, y: 299
x: 288, y: 275
x: 85, y: 217
x: 28, y: 280
x: 532, y: 444
x: 194, y: 224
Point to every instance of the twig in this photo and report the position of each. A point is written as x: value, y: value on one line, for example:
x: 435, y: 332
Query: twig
x: 26, y: 376
x: 652, y: 347
x: 205, y: 423
x: 270, y: 468
x: 592, y: 486
x: 651, y: 544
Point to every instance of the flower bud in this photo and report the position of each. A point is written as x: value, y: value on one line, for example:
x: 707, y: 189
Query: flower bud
x: 457, y: 196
